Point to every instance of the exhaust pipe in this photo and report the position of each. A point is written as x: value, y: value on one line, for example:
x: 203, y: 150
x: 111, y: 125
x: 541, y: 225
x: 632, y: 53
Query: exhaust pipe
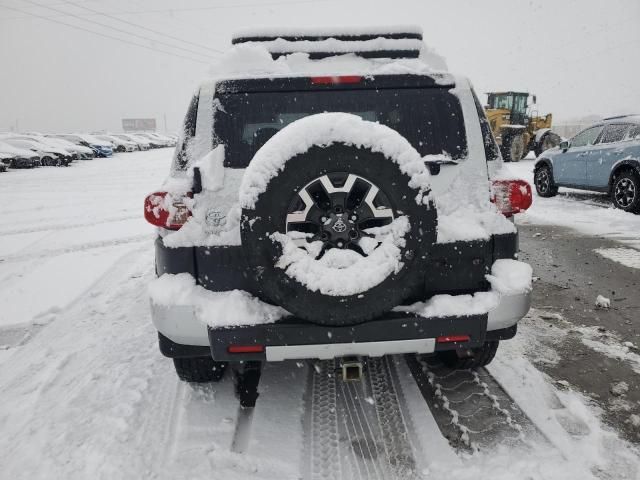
x: 351, y: 369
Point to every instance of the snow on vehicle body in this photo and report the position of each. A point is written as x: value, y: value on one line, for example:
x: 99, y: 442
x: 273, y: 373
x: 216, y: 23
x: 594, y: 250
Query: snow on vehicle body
x: 139, y: 142
x: 18, y: 157
x: 80, y: 152
x: 49, y: 155
x: 335, y: 207
x: 119, y: 144
x: 99, y: 147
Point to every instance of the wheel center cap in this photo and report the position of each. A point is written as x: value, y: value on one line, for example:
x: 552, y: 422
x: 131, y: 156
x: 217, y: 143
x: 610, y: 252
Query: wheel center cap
x: 339, y: 226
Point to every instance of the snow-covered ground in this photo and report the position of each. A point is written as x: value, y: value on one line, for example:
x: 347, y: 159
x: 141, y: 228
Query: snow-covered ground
x: 589, y: 213
x: 86, y: 394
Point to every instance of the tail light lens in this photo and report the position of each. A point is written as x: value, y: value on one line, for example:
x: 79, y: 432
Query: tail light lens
x: 453, y: 339
x: 167, y: 211
x: 512, y: 196
x: 337, y: 80
x: 245, y: 348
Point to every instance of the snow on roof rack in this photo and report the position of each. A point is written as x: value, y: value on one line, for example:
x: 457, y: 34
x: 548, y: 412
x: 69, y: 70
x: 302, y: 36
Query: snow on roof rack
x: 339, y: 33
x: 371, y: 42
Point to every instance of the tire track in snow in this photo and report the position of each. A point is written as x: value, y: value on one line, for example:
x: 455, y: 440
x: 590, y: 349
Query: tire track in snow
x: 470, y: 407
x: 84, y: 405
x: 357, y: 429
x: 78, y: 248
x: 68, y: 226
x: 242, y: 433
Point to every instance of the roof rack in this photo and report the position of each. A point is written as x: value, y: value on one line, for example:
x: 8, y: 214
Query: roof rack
x: 381, y: 42
x: 622, y: 116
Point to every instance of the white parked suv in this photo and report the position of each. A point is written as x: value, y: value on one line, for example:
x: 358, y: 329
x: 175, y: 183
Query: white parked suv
x: 335, y: 206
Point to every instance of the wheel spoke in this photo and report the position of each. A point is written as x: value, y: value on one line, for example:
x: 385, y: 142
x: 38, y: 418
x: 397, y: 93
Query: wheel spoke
x: 301, y: 216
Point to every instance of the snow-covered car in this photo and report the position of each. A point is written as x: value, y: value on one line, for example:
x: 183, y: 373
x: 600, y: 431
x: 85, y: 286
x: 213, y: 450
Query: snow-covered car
x: 169, y: 141
x: 80, y: 152
x: 49, y: 155
x: 604, y: 157
x: 153, y: 141
x: 99, y: 147
x: 18, y: 157
x: 332, y: 207
x: 156, y: 140
x: 76, y: 152
x: 140, y: 142
x: 119, y: 144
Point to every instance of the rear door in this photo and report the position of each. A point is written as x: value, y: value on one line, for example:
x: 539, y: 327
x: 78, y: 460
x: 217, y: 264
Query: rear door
x: 605, y: 154
x: 570, y: 167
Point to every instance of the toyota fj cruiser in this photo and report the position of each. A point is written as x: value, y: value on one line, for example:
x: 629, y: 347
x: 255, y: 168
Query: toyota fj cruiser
x: 345, y: 201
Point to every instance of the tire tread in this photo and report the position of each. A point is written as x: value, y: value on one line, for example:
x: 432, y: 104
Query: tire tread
x: 199, y: 369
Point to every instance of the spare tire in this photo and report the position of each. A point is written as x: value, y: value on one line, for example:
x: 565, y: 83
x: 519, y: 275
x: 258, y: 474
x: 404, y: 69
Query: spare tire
x: 340, y: 234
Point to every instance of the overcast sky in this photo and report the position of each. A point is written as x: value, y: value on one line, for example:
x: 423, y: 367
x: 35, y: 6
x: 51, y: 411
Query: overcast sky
x: 580, y: 57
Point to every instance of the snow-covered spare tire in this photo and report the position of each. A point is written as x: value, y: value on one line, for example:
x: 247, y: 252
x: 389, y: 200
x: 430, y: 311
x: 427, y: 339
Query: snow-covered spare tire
x: 337, y: 220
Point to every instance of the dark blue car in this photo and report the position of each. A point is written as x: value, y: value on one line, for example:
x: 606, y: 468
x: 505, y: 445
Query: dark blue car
x: 604, y: 158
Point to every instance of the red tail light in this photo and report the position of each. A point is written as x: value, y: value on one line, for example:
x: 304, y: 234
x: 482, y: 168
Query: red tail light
x: 164, y: 210
x: 342, y: 79
x: 245, y: 349
x: 512, y: 196
x: 453, y: 339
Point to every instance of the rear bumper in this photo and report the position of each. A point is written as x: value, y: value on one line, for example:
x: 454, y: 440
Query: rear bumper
x: 292, y: 338
x: 454, y: 269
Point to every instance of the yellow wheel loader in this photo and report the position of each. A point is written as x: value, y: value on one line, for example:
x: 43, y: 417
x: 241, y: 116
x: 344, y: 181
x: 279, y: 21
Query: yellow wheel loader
x: 516, y: 128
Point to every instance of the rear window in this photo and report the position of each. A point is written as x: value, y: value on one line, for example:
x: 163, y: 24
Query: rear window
x: 430, y: 119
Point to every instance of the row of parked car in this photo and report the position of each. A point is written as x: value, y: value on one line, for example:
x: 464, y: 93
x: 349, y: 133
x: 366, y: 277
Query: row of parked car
x: 33, y: 149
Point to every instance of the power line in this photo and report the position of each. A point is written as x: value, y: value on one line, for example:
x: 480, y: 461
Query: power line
x: 178, y: 10
x: 128, y: 42
x: 104, y: 25
x: 76, y: 4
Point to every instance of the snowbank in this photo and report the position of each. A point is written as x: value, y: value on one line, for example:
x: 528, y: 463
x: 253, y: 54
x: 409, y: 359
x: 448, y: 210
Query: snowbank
x: 217, y: 309
x: 325, y: 129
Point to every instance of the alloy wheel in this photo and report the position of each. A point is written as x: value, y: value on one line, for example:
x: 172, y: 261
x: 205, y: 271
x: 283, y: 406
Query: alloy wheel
x: 337, y: 209
x: 543, y: 180
x: 624, y: 192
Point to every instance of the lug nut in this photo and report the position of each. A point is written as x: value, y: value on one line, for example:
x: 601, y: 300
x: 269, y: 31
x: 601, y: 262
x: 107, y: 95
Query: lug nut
x: 340, y: 244
x: 354, y: 217
x: 353, y: 234
x: 323, y: 219
x: 324, y: 236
